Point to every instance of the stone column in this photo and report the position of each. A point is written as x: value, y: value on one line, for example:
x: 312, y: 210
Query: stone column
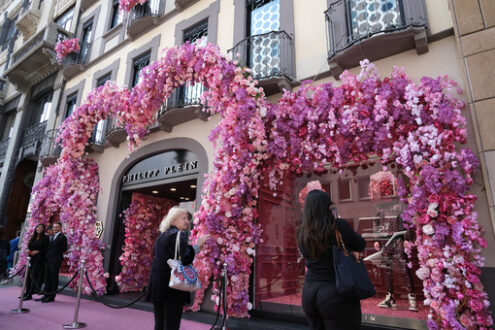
x: 474, y: 26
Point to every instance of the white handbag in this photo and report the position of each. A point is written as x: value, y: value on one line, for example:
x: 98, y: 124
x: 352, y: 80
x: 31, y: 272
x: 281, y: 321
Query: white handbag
x: 183, y: 278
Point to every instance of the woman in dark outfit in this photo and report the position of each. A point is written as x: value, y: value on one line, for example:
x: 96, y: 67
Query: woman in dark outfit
x: 37, y: 246
x: 322, y: 304
x: 168, y: 303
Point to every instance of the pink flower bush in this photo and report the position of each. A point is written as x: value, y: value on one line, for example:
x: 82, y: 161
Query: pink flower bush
x: 64, y: 47
x: 127, y: 5
x: 413, y: 125
x: 142, y: 219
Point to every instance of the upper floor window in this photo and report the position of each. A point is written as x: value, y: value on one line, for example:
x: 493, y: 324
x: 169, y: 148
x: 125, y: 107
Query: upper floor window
x: 196, y: 32
x: 8, y: 32
x: 263, y: 16
x: 71, y: 104
x: 116, y: 17
x: 65, y: 20
x: 42, y: 108
x: 9, y: 126
x: 103, y: 79
x: 137, y: 65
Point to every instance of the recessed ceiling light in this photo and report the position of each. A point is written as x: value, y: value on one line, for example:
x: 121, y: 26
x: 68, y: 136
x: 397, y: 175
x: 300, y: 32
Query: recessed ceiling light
x: 181, y: 197
x: 155, y: 191
x: 193, y: 186
x: 173, y: 189
x: 187, y: 198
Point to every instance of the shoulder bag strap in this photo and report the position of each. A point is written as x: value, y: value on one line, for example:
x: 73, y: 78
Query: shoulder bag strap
x: 340, y: 241
x: 177, y: 246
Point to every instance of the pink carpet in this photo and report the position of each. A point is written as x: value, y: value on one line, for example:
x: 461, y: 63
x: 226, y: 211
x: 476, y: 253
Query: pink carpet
x: 54, y: 315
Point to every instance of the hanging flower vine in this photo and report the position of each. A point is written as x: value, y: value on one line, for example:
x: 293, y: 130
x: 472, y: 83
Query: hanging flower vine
x: 414, y: 125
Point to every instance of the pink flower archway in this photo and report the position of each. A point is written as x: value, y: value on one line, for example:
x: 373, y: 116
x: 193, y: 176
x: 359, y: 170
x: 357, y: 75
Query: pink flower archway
x: 413, y: 125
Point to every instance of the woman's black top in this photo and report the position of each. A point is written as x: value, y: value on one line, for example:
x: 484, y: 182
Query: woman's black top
x: 321, y: 268
x: 158, y: 289
x: 41, y: 245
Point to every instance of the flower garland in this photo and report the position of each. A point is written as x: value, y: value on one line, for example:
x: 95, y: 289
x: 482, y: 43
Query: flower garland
x: 64, y: 47
x: 413, y: 125
x: 142, y: 219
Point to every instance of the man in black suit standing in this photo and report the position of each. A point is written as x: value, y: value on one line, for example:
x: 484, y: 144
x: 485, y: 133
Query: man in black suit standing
x: 54, y: 257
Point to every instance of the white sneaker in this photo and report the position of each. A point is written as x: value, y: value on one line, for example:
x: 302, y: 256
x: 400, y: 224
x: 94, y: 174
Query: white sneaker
x: 412, y: 302
x: 388, y: 302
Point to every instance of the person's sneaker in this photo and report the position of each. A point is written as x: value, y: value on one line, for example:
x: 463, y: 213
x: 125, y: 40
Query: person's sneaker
x: 388, y: 302
x: 412, y: 302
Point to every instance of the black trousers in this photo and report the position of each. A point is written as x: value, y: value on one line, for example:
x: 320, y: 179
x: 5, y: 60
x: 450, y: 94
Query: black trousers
x: 167, y: 315
x: 36, y: 273
x: 51, y: 279
x: 326, y: 309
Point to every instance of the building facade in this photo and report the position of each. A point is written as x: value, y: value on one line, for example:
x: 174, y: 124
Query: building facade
x: 284, y: 42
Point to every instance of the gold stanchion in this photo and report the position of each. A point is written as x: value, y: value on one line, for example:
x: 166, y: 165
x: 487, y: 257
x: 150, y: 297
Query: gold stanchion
x: 74, y: 324
x: 20, y: 310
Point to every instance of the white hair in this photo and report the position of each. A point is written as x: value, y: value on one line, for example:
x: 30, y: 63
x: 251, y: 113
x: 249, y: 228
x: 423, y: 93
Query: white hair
x: 172, y: 214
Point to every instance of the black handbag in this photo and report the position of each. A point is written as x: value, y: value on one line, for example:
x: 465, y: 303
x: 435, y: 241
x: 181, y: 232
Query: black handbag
x: 352, y: 280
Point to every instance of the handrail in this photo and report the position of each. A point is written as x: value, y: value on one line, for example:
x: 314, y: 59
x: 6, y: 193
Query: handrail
x: 268, y: 55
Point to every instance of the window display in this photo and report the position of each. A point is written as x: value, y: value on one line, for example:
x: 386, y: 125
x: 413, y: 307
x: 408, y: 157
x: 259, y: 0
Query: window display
x: 367, y: 199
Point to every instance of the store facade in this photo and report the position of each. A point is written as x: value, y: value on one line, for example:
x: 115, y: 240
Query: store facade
x: 277, y: 275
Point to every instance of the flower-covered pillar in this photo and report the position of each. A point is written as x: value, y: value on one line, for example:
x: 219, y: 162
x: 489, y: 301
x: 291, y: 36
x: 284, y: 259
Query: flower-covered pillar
x: 142, y: 219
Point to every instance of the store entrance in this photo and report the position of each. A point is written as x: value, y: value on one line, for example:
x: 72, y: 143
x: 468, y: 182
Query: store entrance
x: 140, y: 213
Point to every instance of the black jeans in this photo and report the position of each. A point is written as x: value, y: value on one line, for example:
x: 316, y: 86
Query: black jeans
x: 326, y: 309
x: 167, y: 315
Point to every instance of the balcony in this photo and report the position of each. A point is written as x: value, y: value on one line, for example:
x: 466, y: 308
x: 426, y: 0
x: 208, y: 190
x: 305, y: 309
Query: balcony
x: 183, y: 105
x: 36, y: 59
x: 50, y: 150
x: 73, y: 63
x: 97, y: 139
x: 29, y: 18
x: 359, y: 29
x: 270, y: 57
x: 115, y: 134
x: 4, y: 145
x: 142, y: 17
x: 32, y: 138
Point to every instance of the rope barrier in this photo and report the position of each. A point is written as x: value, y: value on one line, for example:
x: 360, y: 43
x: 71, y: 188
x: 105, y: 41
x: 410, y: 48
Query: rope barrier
x: 38, y: 286
x: 98, y: 297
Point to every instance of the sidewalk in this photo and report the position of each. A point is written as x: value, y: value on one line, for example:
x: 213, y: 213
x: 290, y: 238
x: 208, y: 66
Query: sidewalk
x: 53, y: 315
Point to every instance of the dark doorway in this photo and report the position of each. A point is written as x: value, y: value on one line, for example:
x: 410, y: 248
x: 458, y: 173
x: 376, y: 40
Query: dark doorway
x: 19, y: 195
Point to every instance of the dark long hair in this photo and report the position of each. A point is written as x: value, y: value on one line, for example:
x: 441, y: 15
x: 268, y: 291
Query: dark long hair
x: 37, y: 236
x: 318, y: 223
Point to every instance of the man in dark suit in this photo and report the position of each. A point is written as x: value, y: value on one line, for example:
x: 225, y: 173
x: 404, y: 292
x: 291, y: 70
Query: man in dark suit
x: 54, y: 257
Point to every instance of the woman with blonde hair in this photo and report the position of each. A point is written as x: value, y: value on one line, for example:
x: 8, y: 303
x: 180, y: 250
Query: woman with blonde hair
x: 167, y: 302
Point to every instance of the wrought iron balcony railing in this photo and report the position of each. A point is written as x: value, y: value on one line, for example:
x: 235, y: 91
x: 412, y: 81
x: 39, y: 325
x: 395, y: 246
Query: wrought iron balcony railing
x: 4, y: 145
x: 377, y: 28
x: 79, y: 57
x: 269, y: 55
x: 183, y: 105
x: 98, y: 137
x: 184, y: 96
x: 115, y: 133
x: 50, y: 150
x: 143, y: 16
x: 33, y: 134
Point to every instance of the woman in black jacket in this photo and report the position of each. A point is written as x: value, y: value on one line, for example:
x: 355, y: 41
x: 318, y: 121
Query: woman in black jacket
x: 37, y: 246
x: 167, y: 302
x: 324, y: 307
